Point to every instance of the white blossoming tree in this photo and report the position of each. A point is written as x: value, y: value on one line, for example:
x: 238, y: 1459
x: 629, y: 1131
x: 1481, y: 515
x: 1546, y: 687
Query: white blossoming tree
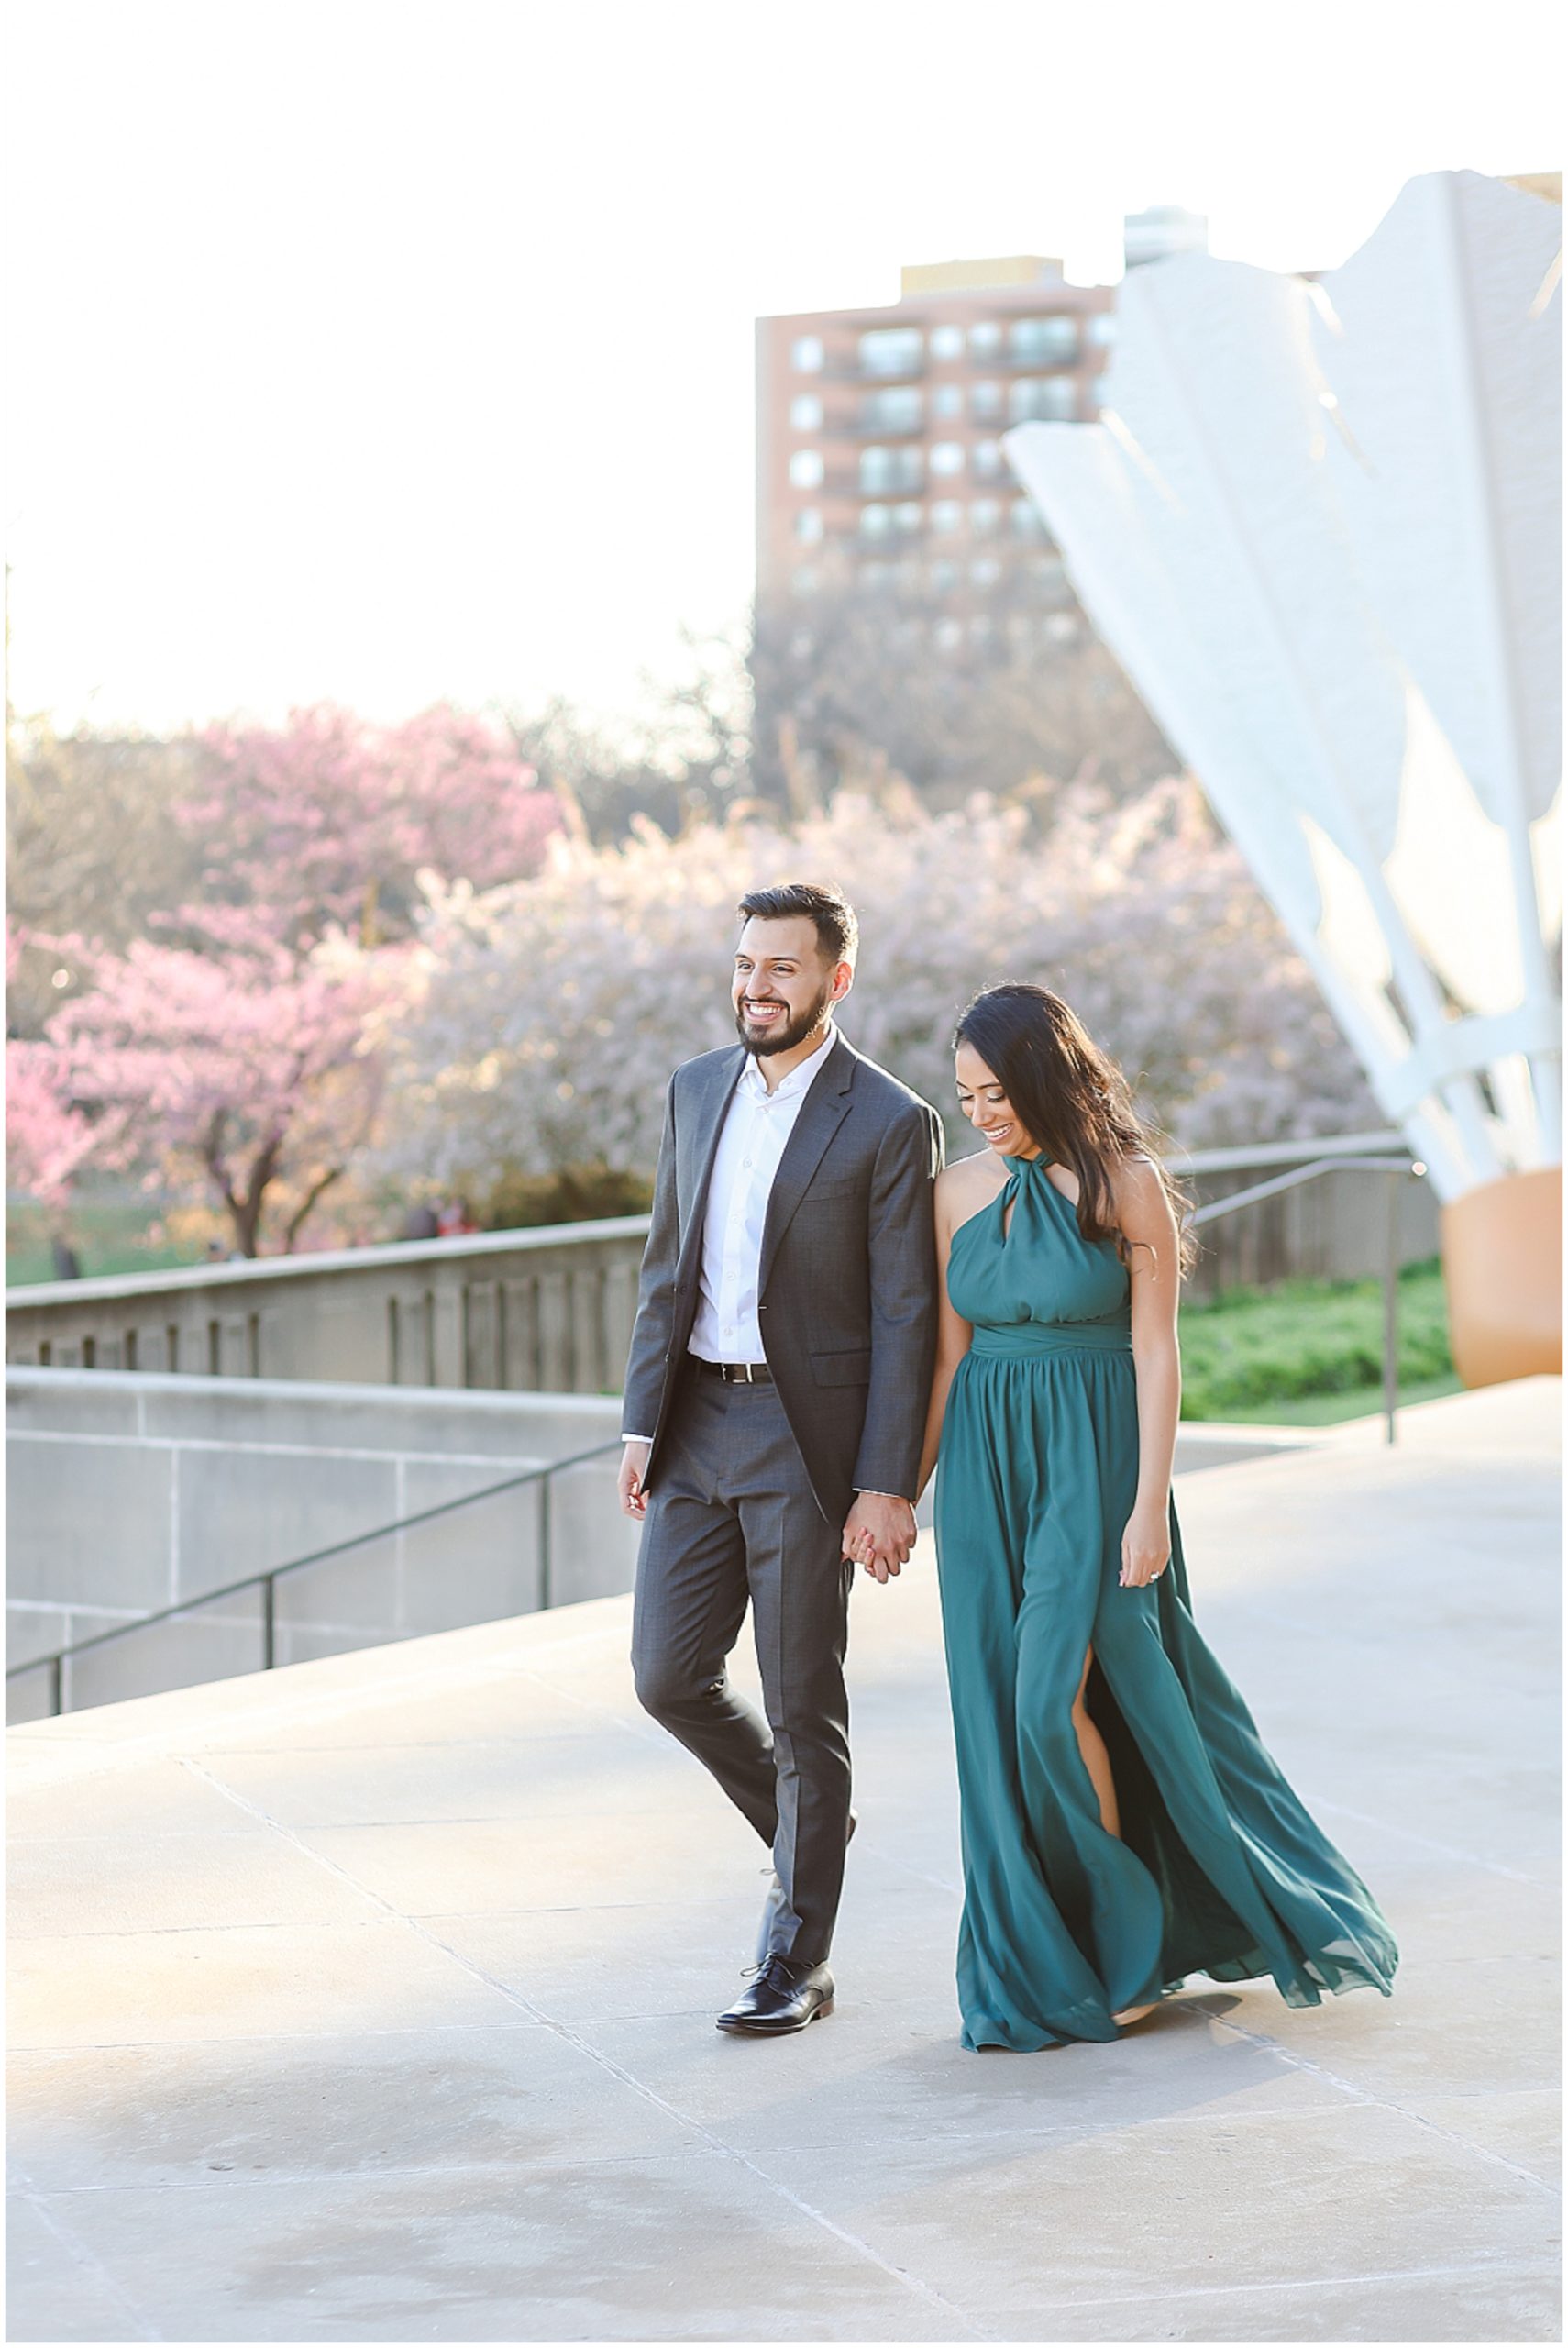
x: 549, y: 1013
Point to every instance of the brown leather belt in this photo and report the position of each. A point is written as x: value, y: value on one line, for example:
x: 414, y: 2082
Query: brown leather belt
x: 736, y: 1373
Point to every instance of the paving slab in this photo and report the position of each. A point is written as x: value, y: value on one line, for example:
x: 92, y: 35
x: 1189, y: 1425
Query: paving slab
x: 373, y: 2000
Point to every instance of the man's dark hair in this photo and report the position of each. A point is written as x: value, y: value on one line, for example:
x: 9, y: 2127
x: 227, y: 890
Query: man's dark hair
x: 838, y: 932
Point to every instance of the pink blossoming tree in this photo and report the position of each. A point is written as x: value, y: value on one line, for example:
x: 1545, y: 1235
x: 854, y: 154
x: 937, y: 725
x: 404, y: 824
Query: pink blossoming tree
x: 236, y: 1050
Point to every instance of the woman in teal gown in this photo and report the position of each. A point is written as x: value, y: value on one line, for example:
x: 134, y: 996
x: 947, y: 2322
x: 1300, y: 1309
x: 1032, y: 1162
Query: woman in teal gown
x: 1123, y: 1824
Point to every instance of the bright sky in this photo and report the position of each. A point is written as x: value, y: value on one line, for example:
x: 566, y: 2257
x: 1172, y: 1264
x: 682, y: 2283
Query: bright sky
x: 380, y: 352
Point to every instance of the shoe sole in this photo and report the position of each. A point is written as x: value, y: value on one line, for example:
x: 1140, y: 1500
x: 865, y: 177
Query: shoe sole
x: 775, y: 2029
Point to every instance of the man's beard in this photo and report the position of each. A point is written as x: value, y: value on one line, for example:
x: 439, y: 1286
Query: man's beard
x: 784, y: 1035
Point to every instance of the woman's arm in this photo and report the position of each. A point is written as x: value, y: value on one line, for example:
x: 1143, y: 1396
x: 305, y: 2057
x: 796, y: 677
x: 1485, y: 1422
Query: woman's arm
x: 952, y: 1334
x: 1144, y: 1218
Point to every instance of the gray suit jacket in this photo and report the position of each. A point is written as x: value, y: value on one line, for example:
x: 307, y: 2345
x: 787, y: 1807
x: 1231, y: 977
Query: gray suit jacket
x: 847, y: 1284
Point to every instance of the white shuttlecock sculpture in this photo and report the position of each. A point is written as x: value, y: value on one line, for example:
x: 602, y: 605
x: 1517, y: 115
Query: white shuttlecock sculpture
x: 1320, y: 525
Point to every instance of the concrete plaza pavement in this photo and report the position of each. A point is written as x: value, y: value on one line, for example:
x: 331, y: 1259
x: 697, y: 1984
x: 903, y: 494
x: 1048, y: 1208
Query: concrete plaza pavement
x: 373, y: 2000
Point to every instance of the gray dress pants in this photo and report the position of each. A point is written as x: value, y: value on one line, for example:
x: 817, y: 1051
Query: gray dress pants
x: 732, y: 1518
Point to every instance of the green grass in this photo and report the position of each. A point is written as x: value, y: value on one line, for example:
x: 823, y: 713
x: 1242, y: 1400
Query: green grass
x: 1310, y: 1352
x: 109, y: 1235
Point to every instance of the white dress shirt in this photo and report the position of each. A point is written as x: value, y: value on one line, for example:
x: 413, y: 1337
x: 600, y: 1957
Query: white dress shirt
x: 757, y: 1126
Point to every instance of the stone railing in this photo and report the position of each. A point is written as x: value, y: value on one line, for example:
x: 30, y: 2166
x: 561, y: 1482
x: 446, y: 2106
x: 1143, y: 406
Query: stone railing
x: 545, y: 1311
x: 549, y: 1311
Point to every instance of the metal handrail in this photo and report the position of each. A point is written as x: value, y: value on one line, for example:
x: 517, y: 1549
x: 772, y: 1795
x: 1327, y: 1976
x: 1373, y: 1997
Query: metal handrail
x: 1398, y: 1170
x: 267, y: 1580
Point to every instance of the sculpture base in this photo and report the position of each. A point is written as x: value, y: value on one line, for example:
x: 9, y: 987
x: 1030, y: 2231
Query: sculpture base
x: 1502, y: 1261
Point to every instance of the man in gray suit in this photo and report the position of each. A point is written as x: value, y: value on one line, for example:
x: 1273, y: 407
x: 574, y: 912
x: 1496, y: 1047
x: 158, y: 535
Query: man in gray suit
x: 775, y: 1403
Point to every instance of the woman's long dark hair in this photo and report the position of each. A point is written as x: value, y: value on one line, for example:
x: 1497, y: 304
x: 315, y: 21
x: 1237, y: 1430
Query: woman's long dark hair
x: 1072, y: 1100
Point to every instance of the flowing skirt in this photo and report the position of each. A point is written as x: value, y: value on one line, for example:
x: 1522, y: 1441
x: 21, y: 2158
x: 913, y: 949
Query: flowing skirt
x: 1219, y: 1869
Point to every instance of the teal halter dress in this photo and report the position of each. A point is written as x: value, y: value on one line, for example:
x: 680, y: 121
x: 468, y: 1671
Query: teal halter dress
x: 1220, y: 1869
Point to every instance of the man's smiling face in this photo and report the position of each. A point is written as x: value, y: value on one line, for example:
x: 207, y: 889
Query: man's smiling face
x: 784, y: 987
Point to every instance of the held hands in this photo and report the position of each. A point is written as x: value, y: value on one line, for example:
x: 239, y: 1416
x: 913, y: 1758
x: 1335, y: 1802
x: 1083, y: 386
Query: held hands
x: 879, y: 1533
x: 1145, y: 1546
x: 629, y: 1482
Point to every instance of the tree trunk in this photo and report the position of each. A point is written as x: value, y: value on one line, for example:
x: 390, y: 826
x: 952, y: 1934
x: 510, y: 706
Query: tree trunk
x: 297, y: 1219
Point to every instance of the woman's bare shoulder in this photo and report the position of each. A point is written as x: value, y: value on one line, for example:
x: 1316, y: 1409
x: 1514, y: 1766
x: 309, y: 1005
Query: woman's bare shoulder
x: 964, y: 1189
x: 1138, y: 1186
x: 975, y: 1176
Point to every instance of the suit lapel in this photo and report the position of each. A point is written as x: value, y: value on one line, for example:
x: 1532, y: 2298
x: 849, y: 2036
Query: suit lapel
x: 708, y: 1125
x: 823, y: 1112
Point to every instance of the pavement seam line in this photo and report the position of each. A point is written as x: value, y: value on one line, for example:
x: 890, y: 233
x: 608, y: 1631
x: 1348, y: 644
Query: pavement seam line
x: 569, y: 2036
x: 1545, y: 2269
x: 87, y: 2262
x: 1380, y: 2102
x: 1408, y: 1834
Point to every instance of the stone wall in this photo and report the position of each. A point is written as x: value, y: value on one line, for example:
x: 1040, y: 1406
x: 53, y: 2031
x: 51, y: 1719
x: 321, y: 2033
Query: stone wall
x: 130, y: 1493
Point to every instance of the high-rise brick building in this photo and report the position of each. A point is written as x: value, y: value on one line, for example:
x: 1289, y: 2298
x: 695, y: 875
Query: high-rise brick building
x: 878, y: 430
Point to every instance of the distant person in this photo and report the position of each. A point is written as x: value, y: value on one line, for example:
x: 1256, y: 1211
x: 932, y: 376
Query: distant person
x: 1122, y: 1824
x: 779, y: 1366
x: 419, y: 1223
x: 455, y: 1220
x: 67, y: 1262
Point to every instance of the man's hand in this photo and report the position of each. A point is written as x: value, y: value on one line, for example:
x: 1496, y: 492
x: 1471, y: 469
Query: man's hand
x: 629, y: 1482
x: 879, y: 1533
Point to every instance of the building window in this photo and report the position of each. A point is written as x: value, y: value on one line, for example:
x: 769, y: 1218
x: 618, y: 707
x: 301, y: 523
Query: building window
x: 947, y: 517
x: 1101, y: 329
x: 986, y: 456
x: 1043, y: 342
x: 947, y: 342
x: 892, y: 350
x: 1027, y: 522
x: 947, y: 400
x: 899, y: 408
x: 805, y: 413
x: 885, y: 469
x: 985, y: 401
x: 806, y: 354
x: 876, y: 521
x: 809, y: 525
x: 986, y: 571
x: 946, y: 458
x: 984, y: 339
x: 985, y: 515
x: 909, y: 516
x: 806, y: 469
x: 944, y: 577
x: 1050, y: 399
x: 876, y: 575
x: 908, y: 575
x: 949, y: 635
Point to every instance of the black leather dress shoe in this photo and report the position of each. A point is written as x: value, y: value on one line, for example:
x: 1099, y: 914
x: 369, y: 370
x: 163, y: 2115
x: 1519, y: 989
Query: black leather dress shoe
x: 784, y: 1996
x: 773, y: 1905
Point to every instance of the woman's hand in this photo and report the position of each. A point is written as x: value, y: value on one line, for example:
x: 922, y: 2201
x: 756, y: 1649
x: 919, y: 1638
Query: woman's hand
x: 1145, y: 1546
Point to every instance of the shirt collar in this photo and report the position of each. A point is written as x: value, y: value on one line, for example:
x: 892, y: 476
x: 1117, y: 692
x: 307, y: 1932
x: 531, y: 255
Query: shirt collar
x: 754, y: 1083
